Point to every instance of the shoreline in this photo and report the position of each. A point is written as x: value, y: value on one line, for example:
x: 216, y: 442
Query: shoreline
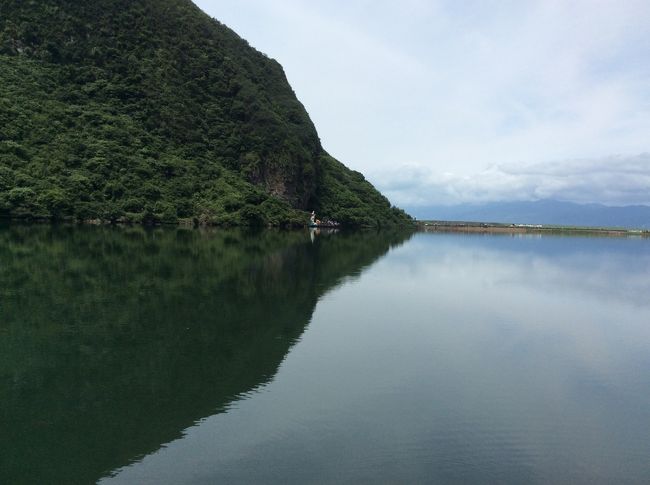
x: 496, y: 228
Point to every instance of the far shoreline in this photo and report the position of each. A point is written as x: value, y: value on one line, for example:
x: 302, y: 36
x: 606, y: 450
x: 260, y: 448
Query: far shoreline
x: 502, y: 228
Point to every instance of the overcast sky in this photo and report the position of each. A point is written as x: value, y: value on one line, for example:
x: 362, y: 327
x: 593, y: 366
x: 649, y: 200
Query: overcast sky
x: 445, y: 101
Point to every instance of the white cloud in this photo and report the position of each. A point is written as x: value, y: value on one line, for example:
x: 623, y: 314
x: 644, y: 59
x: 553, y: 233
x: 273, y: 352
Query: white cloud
x: 463, y: 86
x: 611, y: 181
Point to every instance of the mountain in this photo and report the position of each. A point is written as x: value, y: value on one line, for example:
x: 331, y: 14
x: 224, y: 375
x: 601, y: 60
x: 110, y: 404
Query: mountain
x: 149, y: 110
x: 550, y: 212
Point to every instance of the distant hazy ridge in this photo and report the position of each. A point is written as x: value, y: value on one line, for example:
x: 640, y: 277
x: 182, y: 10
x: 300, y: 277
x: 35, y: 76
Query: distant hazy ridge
x: 548, y: 212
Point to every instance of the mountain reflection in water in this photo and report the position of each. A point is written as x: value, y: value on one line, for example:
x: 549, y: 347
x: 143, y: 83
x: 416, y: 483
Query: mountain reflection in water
x: 454, y: 359
x: 115, y: 340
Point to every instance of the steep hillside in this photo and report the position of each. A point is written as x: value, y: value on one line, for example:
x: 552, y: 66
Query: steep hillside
x: 149, y: 110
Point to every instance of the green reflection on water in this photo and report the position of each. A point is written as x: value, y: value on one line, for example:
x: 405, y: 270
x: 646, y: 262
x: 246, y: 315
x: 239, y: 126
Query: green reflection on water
x: 114, y: 340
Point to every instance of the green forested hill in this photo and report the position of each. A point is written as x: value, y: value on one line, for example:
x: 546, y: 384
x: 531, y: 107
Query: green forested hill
x: 149, y: 110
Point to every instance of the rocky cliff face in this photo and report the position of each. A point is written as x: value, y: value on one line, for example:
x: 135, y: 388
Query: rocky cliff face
x: 146, y: 110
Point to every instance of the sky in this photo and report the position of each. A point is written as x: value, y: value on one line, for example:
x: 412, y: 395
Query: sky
x: 447, y: 101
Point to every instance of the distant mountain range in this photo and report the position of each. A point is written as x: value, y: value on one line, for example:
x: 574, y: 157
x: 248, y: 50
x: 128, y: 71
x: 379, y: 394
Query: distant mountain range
x: 549, y: 212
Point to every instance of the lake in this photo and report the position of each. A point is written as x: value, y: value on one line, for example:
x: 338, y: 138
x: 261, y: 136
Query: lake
x: 168, y: 356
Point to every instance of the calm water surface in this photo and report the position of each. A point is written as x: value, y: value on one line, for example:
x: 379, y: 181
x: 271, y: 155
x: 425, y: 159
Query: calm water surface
x: 184, y: 356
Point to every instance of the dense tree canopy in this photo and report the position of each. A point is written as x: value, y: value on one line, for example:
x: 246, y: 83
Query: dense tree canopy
x: 149, y: 110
